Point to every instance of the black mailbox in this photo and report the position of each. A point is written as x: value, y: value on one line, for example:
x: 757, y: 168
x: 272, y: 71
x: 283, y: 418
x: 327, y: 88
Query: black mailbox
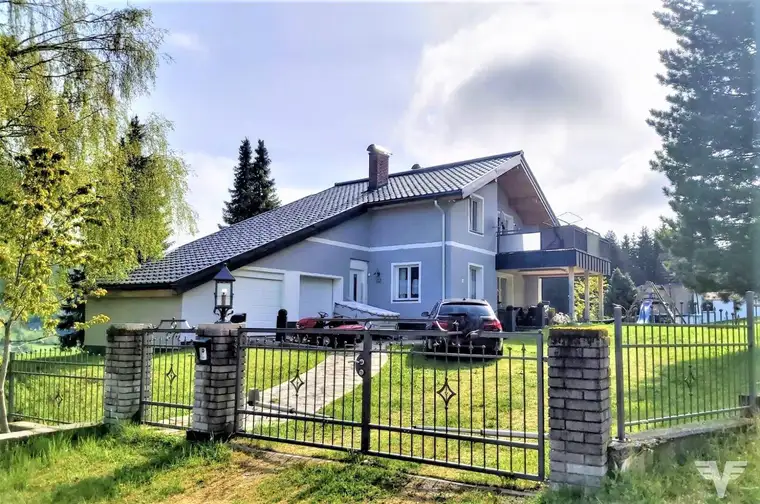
x: 202, y: 350
x: 238, y: 318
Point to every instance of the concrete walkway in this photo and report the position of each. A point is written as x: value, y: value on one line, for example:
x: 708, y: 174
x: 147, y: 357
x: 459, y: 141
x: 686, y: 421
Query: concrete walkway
x: 318, y: 387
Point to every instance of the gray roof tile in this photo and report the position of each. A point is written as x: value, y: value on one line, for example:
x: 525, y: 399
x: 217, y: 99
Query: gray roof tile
x: 276, y: 224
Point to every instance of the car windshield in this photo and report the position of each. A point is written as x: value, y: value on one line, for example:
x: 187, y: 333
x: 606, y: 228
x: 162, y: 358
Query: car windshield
x: 470, y: 309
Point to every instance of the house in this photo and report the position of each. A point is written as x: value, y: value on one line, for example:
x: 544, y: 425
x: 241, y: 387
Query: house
x: 480, y: 228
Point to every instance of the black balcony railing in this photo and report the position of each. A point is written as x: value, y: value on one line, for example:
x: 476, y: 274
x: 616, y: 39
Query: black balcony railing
x: 554, y: 238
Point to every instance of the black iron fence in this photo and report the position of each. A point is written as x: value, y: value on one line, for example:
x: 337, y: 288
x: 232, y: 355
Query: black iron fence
x: 54, y: 386
x: 668, y: 374
x: 168, y: 389
x: 451, y: 401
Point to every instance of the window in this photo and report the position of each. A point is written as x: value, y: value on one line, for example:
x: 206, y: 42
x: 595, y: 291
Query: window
x: 476, y: 214
x: 406, y: 283
x: 475, y: 282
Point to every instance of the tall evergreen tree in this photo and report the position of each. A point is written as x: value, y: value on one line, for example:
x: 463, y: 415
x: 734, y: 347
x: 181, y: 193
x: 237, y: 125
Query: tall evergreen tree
x: 620, y: 291
x: 253, y: 190
x: 263, y: 192
x: 72, y: 313
x: 142, y: 167
x: 709, y: 152
x: 616, y: 255
x: 234, y: 209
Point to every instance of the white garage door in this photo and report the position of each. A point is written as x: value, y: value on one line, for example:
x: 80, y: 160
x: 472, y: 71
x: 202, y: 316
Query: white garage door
x: 259, y: 299
x: 316, y: 296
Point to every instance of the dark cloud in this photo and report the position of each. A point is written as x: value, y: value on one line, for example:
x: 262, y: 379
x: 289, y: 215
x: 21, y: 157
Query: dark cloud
x: 541, y: 88
x: 629, y: 203
x: 543, y: 91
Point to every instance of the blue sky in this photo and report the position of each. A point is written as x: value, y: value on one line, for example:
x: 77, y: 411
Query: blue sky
x: 568, y: 82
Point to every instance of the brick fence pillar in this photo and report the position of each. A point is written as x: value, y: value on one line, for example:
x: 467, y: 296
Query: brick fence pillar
x: 214, y: 406
x: 125, y: 370
x: 579, y: 407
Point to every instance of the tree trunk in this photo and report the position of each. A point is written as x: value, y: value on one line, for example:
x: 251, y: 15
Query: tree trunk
x: 4, y: 428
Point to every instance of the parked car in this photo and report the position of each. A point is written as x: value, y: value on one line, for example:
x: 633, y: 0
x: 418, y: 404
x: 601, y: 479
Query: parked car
x: 328, y: 340
x: 470, y: 317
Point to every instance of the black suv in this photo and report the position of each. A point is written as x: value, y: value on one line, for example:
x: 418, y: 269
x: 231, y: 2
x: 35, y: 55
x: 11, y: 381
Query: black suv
x: 472, y: 317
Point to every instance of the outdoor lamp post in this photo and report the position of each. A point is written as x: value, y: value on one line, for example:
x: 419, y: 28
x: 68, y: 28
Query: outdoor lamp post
x: 223, y: 293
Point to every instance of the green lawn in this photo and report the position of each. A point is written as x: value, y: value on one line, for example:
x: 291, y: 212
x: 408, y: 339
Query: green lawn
x: 136, y: 465
x: 61, y: 386
x: 660, y: 382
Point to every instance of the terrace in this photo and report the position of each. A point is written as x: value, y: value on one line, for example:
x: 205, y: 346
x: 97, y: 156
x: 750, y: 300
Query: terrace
x: 524, y: 256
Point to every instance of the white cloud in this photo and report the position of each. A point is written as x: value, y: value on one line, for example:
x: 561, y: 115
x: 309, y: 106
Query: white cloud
x: 185, y: 41
x: 213, y: 176
x: 570, y: 83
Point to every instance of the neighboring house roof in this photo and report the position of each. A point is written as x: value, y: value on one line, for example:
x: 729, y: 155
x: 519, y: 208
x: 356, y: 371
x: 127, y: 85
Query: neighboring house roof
x: 266, y: 233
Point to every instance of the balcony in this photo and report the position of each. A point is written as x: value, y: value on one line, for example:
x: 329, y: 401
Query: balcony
x: 559, y: 247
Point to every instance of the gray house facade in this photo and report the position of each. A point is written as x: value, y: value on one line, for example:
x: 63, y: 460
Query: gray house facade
x: 398, y: 241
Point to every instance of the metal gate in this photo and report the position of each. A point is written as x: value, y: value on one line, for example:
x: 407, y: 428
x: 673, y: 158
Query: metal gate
x: 167, y: 391
x: 454, y: 405
x: 54, y: 386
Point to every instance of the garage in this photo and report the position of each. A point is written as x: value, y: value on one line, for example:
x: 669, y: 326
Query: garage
x: 259, y: 299
x: 257, y: 294
x: 316, y: 295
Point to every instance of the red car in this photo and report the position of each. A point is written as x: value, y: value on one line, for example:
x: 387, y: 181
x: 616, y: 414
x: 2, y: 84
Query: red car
x: 328, y: 340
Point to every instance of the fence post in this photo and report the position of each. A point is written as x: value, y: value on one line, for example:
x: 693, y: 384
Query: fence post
x: 214, y: 406
x: 749, y: 299
x: 579, y: 407
x: 10, y: 388
x: 364, y: 369
x: 124, y: 372
x: 619, y: 386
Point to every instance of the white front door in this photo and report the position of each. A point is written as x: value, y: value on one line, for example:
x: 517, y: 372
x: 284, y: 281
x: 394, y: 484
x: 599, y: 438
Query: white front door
x: 357, y: 281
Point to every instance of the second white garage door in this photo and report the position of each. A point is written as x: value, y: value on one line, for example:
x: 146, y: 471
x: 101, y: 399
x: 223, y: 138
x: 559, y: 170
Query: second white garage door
x: 259, y: 299
x: 316, y: 295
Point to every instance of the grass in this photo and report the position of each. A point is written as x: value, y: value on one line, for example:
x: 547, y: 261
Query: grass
x: 487, y: 393
x: 136, y: 465
x: 62, y: 386
x: 706, y: 373
x: 676, y: 480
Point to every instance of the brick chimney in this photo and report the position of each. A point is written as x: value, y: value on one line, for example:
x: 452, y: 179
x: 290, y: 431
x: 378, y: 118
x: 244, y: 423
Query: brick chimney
x: 378, y: 166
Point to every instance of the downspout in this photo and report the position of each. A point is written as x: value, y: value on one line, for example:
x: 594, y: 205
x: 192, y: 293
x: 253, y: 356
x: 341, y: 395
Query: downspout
x: 443, y: 249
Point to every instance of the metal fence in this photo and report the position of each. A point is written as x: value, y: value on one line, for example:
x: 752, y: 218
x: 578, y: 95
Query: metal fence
x: 167, y: 393
x: 54, y: 386
x: 451, y: 402
x: 669, y: 374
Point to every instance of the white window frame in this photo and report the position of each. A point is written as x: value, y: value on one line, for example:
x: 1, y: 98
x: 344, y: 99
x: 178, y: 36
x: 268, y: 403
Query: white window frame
x: 481, y: 220
x: 394, y: 282
x: 479, y: 287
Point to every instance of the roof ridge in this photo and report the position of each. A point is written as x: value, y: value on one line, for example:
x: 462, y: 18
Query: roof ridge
x: 436, y: 167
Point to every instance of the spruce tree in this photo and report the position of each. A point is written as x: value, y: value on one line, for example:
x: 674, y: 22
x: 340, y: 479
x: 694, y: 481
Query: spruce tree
x: 709, y: 153
x: 263, y: 195
x: 72, y: 312
x: 620, y: 291
x: 235, y: 210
